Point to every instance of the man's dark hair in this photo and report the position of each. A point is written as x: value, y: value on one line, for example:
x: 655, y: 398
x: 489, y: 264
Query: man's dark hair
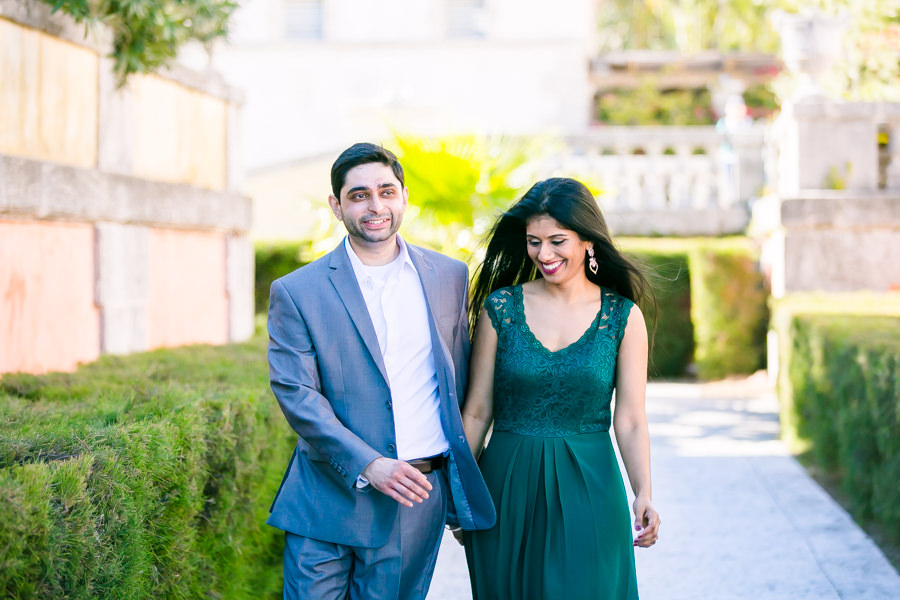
x: 361, y: 154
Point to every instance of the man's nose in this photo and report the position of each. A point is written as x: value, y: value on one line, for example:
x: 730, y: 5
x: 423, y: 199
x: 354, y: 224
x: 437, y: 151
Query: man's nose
x: 375, y: 204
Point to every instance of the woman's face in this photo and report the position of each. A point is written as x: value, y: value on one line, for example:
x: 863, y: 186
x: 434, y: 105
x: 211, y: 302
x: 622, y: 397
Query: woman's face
x: 558, y: 253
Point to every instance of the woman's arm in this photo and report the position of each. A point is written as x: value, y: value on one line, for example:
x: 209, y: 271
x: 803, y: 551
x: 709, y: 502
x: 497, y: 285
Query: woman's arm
x: 478, y: 410
x: 630, y: 423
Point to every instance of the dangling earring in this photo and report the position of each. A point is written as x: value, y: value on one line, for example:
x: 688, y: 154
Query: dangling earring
x: 592, y: 262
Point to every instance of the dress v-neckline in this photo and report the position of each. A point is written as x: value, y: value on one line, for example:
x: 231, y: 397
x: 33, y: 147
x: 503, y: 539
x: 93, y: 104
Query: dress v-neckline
x: 520, y: 305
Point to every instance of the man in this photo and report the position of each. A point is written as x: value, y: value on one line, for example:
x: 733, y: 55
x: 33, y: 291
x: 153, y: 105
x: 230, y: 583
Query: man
x: 368, y: 358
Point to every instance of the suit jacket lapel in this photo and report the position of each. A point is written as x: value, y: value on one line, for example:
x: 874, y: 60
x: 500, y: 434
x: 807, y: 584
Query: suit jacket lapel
x: 344, y: 281
x: 431, y: 284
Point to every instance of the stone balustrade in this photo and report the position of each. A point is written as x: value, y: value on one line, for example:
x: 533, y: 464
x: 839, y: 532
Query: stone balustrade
x: 670, y: 180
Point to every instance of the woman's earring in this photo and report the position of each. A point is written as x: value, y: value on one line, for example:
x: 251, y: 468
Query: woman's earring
x: 592, y: 262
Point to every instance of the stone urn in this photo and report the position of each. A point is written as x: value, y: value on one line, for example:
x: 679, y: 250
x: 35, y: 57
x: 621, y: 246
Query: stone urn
x: 811, y: 43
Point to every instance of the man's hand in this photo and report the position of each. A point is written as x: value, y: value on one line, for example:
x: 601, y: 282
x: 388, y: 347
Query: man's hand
x: 397, y: 479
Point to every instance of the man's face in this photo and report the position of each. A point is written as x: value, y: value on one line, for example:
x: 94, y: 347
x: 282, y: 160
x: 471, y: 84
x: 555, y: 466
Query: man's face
x: 371, y: 204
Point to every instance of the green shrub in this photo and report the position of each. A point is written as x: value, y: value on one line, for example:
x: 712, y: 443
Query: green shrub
x: 728, y: 309
x: 141, y: 477
x: 670, y: 322
x: 147, y: 34
x: 274, y: 260
x: 844, y: 375
x: 712, y: 305
x: 648, y: 105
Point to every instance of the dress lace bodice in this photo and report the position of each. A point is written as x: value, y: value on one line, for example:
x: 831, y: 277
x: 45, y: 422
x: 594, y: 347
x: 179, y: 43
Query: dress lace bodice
x: 547, y: 393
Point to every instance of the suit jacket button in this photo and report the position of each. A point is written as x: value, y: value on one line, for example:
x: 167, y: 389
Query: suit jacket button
x: 391, y: 448
x: 389, y: 404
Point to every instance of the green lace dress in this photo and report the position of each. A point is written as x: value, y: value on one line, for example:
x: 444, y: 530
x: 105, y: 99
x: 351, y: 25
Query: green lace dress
x: 563, y: 527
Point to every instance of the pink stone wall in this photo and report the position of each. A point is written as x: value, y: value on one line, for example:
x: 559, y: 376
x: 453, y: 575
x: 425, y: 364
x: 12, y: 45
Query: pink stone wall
x: 188, y: 302
x: 48, y: 319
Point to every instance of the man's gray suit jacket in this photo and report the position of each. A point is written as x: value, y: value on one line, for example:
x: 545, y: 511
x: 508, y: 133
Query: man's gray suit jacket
x: 328, y: 374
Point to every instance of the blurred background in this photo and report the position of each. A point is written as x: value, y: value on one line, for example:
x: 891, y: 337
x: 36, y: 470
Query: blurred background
x: 162, y: 161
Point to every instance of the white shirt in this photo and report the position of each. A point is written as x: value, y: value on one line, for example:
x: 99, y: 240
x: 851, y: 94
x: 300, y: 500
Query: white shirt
x: 396, y: 302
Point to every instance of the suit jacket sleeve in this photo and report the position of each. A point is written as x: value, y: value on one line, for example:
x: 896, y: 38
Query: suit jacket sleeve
x: 294, y: 377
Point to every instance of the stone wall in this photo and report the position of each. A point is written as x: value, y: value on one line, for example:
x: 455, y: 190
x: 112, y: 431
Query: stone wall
x: 834, y: 223
x: 836, y: 242
x: 121, y: 225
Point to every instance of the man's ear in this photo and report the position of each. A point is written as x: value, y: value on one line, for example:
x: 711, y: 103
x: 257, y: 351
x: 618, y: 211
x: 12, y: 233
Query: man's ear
x: 335, y: 205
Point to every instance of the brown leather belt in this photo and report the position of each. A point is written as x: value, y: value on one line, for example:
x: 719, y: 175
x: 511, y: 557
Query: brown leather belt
x: 427, y: 465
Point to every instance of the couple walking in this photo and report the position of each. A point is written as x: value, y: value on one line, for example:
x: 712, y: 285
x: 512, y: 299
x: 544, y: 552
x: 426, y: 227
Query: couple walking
x: 370, y: 361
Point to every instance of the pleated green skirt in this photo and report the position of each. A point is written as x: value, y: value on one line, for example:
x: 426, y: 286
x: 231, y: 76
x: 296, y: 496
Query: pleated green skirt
x: 563, y: 524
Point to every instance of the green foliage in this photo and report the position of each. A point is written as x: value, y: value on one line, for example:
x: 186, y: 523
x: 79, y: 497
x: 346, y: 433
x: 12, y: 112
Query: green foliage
x: 728, y: 309
x: 687, y: 25
x: 647, y: 105
x: 274, y: 260
x: 459, y: 184
x: 844, y: 374
x: 761, y: 101
x: 870, y: 67
x: 147, y: 34
x: 670, y: 321
x: 712, y: 305
x: 836, y: 179
x: 142, y: 477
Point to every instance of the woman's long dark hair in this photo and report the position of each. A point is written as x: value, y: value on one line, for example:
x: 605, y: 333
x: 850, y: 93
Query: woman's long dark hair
x: 571, y: 204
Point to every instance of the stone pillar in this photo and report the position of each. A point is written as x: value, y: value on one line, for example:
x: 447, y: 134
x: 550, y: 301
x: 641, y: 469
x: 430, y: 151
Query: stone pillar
x: 827, y: 145
x: 891, y: 117
x: 239, y: 256
x: 122, y: 286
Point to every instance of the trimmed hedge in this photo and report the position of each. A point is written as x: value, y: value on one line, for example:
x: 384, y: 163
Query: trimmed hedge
x: 844, y: 400
x: 670, y: 322
x: 274, y: 260
x: 729, y: 310
x: 714, y: 315
x: 142, y: 477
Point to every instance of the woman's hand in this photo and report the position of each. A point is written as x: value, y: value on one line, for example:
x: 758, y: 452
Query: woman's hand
x: 646, y: 521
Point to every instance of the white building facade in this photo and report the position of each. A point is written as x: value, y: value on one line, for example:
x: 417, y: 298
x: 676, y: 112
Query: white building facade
x: 322, y: 74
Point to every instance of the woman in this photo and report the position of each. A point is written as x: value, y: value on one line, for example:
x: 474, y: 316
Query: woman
x: 558, y: 331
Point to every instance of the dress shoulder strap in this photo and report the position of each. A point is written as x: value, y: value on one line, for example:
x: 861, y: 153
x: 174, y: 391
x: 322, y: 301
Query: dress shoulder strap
x: 499, y: 307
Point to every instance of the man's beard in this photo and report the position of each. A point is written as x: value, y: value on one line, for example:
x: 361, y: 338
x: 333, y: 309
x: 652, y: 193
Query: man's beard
x: 355, y: 229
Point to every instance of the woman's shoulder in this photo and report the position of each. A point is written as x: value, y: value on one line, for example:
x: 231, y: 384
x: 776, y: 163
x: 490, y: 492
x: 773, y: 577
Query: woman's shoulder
x: 503, y: 294
x: 618, y: 308
x: 611, y: 295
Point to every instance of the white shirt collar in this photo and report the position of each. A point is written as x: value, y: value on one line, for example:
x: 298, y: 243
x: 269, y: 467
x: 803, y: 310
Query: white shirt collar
x: 359, y: 269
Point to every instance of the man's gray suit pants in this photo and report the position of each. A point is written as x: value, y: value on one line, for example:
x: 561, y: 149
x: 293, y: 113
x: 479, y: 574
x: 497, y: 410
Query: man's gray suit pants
x: 399, y: 570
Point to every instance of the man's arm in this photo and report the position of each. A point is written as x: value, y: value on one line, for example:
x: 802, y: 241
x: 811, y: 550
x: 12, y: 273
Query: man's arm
x: 294, y: 377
